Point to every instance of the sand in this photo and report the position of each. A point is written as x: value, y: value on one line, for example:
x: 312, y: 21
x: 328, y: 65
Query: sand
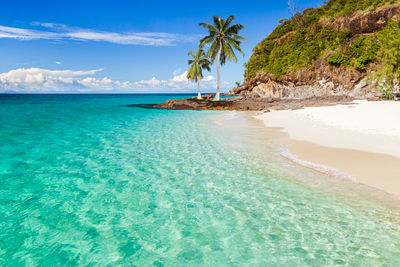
x: 361, y: 140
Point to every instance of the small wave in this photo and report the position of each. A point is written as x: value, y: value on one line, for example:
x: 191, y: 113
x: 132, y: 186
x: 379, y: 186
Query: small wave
x: 283, y: 151
x: 226, y: 116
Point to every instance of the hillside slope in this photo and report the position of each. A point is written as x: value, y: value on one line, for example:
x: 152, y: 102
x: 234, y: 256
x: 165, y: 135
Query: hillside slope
x: 334, y: 49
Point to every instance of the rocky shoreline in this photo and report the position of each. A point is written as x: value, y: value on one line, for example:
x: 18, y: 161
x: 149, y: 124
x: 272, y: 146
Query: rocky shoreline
x: 321, y: 77
x: 250, y: 104
x: 319, y: 84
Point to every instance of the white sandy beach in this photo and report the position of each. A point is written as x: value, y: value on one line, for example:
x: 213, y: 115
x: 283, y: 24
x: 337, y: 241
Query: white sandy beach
x: 361, y: 139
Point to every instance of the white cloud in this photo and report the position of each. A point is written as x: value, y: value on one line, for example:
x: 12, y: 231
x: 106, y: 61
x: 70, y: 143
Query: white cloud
x: 55, y: 31
x: 180, y: 78
x: 58, y: 62
x: 40, y: 79
x: 26, y: 34
x: 36, y: 80
x: 178, y: 83
x: 176, y: 72
x: 149, y: 83
x: 208, y: 78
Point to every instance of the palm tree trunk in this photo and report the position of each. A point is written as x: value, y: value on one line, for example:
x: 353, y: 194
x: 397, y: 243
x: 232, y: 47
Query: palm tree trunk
x: 198, y: 90
x: 218, y: 72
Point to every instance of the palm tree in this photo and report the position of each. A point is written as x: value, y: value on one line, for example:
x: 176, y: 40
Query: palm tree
x: 199, y: 62
x: 222, y: 36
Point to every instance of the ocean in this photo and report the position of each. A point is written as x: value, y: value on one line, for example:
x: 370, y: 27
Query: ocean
x: 87, y: 180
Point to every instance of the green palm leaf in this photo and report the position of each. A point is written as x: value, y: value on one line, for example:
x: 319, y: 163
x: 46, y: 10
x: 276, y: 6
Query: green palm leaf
x: 223, y: 39
x: 198, y: 62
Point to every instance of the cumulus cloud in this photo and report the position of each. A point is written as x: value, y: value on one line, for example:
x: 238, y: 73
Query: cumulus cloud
x: 178, y: 78
x: 36, y: 80
x: 178, y: 83
x: 40, y: 79
x: 53, y: 31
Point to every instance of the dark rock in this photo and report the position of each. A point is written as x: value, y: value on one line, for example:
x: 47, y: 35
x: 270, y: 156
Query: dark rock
x: 367, y: 22
x: 253, y: 104
x: 323, y: 81
x: 374, y: 98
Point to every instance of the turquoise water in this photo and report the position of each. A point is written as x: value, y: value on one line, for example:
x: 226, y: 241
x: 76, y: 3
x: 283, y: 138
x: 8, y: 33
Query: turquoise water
x: 86, y: 181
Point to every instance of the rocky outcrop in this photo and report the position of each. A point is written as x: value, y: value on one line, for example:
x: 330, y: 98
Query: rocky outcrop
x: 209, y: 104
x: 366, y: 22
x: 284, y: 38
x: 322, y: 81
x: 248, y: 104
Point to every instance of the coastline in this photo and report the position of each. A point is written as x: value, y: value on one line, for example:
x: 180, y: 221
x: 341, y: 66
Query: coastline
x: 243, y: 103
x: 360, y: 140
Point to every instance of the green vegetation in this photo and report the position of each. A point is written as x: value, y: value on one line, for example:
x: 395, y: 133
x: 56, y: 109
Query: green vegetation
x: 386, y: 74
x: 300, y: 49
x: 344, y: 7
x: 223, y: 38
x: 357, y: 55
x: 198, y: 62
x: 298, y: 42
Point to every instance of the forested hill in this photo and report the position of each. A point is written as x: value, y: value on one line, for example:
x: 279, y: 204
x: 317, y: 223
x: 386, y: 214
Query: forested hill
x: 350, y: 38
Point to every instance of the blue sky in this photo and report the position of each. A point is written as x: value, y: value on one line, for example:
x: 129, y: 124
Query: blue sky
x: 120, y: 46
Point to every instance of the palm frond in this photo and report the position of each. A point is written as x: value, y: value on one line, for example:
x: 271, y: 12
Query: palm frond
x: 228, y: 21
x: 234, y: 29
x: 206, y: 40
x: 222, y: 36
x: 218, y: 23
x: 199, y: 72
x: 198, y: 53
x: 191, y: 75
x: 230, y: 55
x: 208, y: 26
x: 235, y: 44
x: 222, y: 59
x: 238, y: 37
x: 199, y: 62
x: 206, y: 66
x: 213, y: 51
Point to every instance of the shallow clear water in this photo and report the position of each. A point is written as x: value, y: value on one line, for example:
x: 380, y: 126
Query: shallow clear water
x: 86, y: 181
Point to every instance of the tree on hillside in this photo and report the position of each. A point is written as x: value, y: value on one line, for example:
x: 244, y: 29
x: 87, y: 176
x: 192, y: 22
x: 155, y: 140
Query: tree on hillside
x: 198, y: 62
x: 295, y: 13
x: 222, y: 37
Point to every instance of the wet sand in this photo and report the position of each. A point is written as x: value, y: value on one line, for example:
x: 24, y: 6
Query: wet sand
x: 358, y: 140
x: 377, y: 170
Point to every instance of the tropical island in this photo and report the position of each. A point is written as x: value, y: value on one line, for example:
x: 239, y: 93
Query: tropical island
x: 298, y: 165
x: 328, y: 77
x: 338, y: 52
